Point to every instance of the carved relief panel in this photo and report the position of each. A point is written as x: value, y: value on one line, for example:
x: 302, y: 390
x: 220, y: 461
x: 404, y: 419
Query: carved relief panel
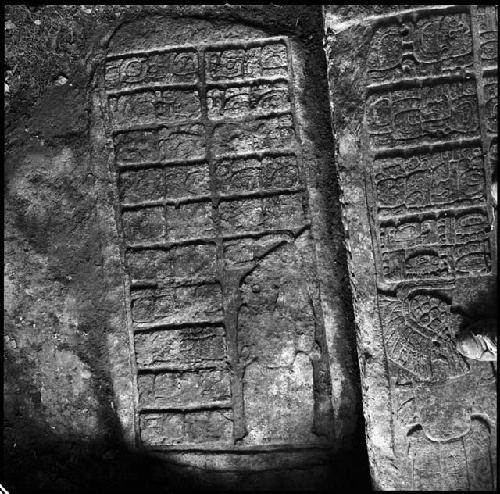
x: 225, y: 315
x: 426, y: 123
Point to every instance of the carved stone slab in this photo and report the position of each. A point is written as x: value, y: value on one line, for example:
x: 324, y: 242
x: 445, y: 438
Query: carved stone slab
x: 413, y: 100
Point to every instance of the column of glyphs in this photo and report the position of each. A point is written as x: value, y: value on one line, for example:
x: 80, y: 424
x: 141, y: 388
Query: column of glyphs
x: 430, y: 130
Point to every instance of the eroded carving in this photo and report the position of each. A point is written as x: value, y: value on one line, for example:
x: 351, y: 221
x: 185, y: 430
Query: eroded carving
x: 428, y: 181
x: 178, y: 303
x: 176, y: 66
x: 189, y: 347
x: 431, y: 113
x: 419, y: 336
x: 164, y: 429
x: 271, y: 133
x: 147, y: 106
x: 420, y: 47
x: 488, y: 33
x: 211, y: 202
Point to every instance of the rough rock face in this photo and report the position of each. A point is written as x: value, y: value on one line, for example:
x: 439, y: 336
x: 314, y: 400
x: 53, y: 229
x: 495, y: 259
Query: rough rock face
x: 413, y: 93
x: 177, y: 306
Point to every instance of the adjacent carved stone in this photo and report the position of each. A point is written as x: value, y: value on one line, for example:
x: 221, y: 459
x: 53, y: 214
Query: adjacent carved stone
x: 427, y: 80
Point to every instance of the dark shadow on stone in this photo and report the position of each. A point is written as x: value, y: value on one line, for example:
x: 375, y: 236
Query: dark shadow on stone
x: 484, y: 305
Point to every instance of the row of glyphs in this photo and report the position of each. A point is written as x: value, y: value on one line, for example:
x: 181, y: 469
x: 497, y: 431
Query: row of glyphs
x: 448, y: 178
x: 259, y: 61
x: 422, y: 46
x: 231, y: 176
x: 432, y: 263
x: 147, y: 106
x: 194, y: 220
x: 186, y: 141
x: 427, y: 114
x: 182, y: 66
x: 434, y: 230
x: 445, y: 246
x: 171, y: 67
x: 430, y: 45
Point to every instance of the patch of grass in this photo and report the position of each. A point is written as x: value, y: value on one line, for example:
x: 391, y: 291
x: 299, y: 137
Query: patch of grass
x: 43, y: 43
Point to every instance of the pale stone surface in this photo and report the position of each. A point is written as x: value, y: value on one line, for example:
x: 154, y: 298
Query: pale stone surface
x: 411, y: 100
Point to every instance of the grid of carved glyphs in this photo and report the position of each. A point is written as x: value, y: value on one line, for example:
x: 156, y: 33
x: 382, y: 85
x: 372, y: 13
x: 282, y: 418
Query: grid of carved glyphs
x: 209, y: 182
x: 431, y: 135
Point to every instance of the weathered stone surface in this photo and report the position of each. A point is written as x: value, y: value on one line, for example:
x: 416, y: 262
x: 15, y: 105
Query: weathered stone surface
x: 267, y: 309
x: 190, y: 347
x: 186, y: 428
x: 177, y: 389
x: 177, y: 303
x: 180, y: 262
x: 217, y: 191
x: 413, y: 102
